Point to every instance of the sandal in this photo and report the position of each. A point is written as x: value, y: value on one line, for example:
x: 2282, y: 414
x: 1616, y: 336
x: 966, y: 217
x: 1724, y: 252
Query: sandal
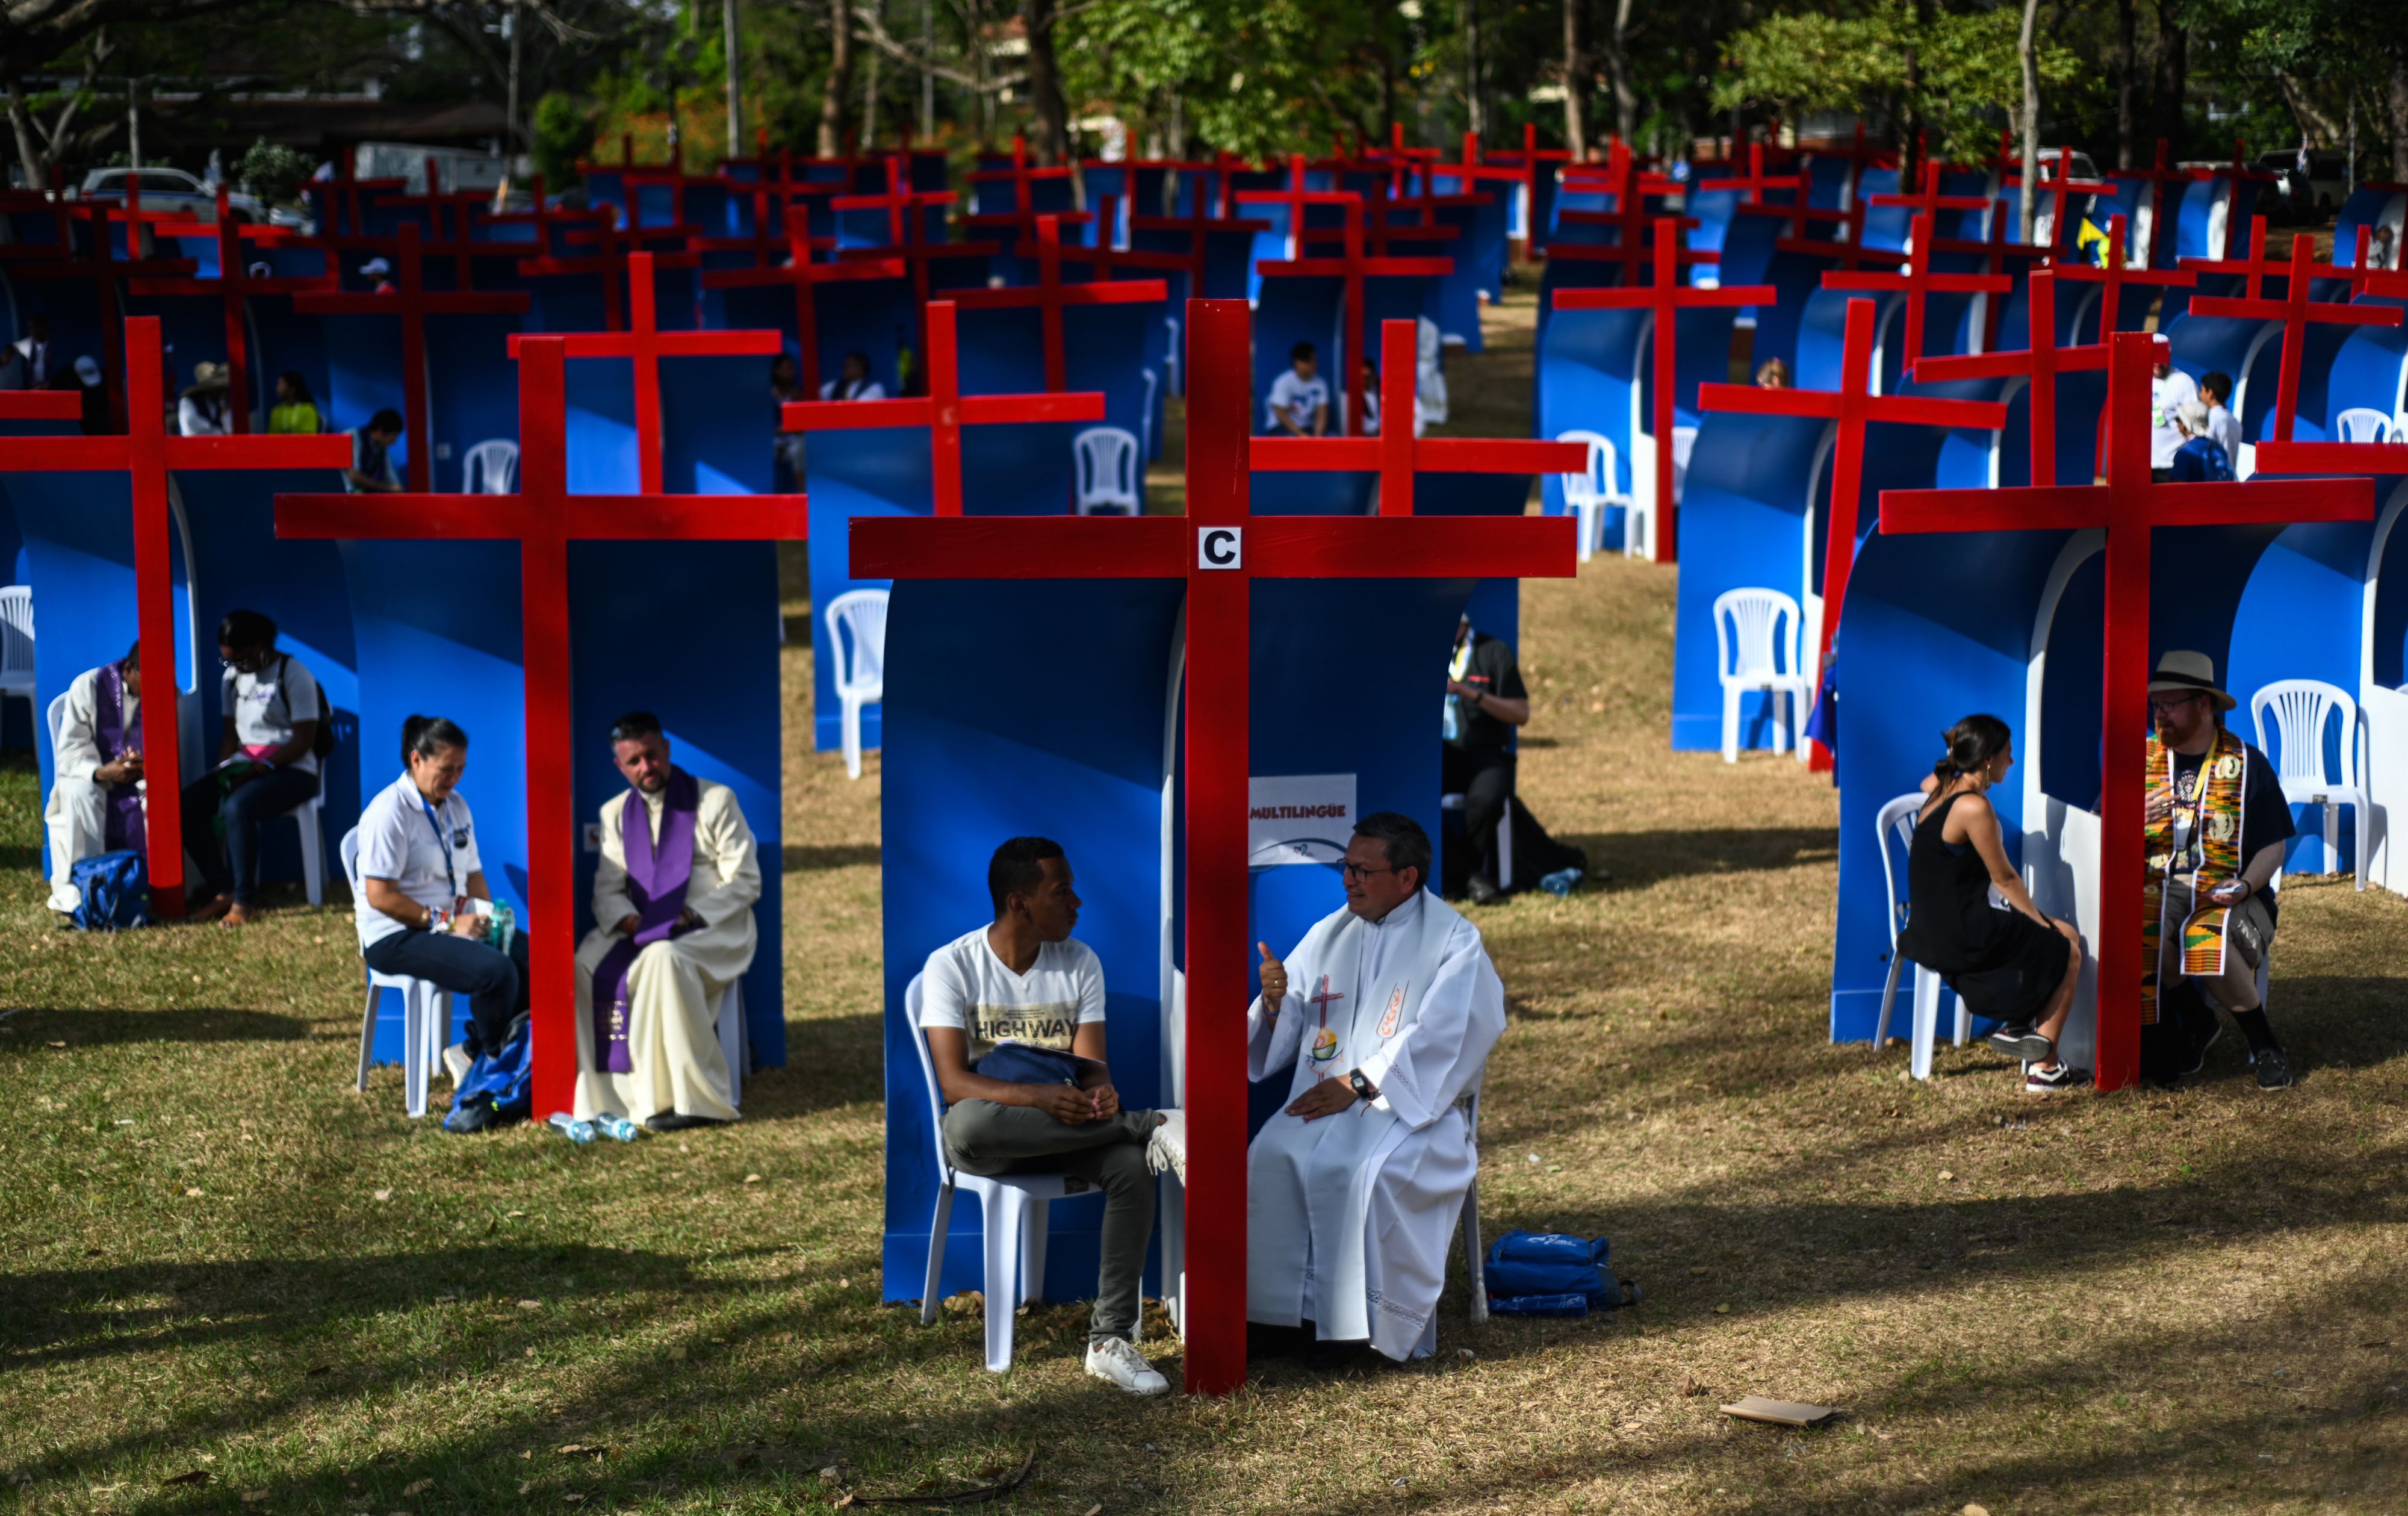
x: 238, y: 915
x: 210, y: 909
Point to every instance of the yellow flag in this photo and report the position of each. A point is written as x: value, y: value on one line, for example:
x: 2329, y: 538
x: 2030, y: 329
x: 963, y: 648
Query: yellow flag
x: 2092, y: 236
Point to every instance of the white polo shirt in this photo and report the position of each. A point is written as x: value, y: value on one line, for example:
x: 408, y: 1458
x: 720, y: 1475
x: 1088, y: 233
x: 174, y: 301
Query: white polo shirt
x: 401, y: 842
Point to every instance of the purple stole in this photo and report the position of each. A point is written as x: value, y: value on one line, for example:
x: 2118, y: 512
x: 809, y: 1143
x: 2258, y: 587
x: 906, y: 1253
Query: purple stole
x: 656, y: 882
x: 121, y: 803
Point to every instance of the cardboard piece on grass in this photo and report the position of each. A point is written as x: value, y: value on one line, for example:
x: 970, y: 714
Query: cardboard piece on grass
x: 1755, y: 1407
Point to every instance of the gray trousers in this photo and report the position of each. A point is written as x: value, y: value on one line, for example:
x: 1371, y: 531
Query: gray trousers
x: 986, y: 1139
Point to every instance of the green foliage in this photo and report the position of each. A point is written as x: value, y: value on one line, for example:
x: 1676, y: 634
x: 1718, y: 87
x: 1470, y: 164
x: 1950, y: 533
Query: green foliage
x: 1968, y: 77
x: 272, y: 170
x: 563, y: 138
x: 1257, y: 76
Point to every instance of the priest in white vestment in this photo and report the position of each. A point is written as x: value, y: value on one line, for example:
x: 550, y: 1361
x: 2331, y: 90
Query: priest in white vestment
x: 673, y: 912
x: 95, y: 804
x: 1388, y: 1009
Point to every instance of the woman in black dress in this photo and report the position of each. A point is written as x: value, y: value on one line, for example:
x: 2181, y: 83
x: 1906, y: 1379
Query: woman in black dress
x: 2013, y: 965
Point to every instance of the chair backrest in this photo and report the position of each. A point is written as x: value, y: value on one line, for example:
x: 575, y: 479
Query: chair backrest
x: 491, y: 468
x: 349, y: 850
x: 1594, y: 483
x: 1753, y: 618
x: 2300, y: 708
x: 17, y: 629
x: 57, y: 719
x: 1106, y: 468
x: 861, y: 664
x: 2362, y: 424
x: 1896, y: 820
x: 912, y: 1000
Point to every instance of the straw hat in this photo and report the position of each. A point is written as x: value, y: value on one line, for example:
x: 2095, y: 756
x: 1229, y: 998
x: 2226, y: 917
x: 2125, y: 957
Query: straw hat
x: 2183, y: 672
x: 209, y: 378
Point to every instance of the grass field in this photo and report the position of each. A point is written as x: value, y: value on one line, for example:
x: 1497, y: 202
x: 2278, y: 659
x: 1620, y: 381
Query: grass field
x: 232, y: 1284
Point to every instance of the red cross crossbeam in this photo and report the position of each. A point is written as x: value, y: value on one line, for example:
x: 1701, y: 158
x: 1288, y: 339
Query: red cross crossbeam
x: 2295, y: 311
x: 944, y: 411
x: 1756, y: 183
x: 1352, y: 267
x: 543, y: 217
x: 2128, y: 507
x: 1396, y: 454
x: 543, y: 517
x: 1621, y: 178
x: 900, y: 202
x: 2059, y: 188
x: 1665, y: 299
x: 1296, y: 198
x: 1994, y: 251
x: 413, y: 302
x: 1218, y: 548
x: 346, y: 191
x: 1520, y: 168
x: 2041, y: 364
x: 235, y: 285
x: 1380, y: 238
x: 773, y: 240
x: 646, y: 345
x: 1199, y: 228
x: 1928, y: 199
x: 1051, y: 296
x: 804, y: 276
x: 148, y: 452
x: 2159, y: 177
x: 2113, y: 276
x: 1850, y: 409
x: 2255, y: 269
x: 96, y: 264
x: 1918, y: 282
x: 913, y: 246
x: 1023, y: 181
x: 1636, y: 258
x: 613, y: 245
x: 1106, y: 260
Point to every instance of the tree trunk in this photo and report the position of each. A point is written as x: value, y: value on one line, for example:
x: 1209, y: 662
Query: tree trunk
x: 840, y: 79
x: 1476, y: 117
x: 1617, y: 68
x: 1045, y: 83
x: 732, y: 38
x: 870, y: 86
x: 1575, y: 84
x: 2395, y: 101
x: 2127, y: 64
x: 2172, y: 73
x: 2031, y: 197
x: 29, y: 156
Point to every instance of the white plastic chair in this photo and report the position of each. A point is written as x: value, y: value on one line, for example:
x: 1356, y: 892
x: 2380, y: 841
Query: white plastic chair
x: 1684, y: 441
x: 1171, y: 363
x: 2362, y: 424
x: 860, y: 663
x: 2300, y: 707
x: 1768, y: 650
x: 1897, y: 820
x: 1504, y: 837
x: 1145, y: 432
x: 1015, y: 1208
x: 425, y: 1009
x: 491, y: 468
x: 16, y: 644
x: 1107, y: 470
x: 1589, y: 494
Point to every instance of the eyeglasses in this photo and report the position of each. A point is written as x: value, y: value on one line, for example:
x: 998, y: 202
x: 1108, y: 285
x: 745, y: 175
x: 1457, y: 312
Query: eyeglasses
x: 1358, y: 873
x: 2176, y: 703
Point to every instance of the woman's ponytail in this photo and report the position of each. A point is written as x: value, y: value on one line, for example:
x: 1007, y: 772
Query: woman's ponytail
x: 1968, y: 747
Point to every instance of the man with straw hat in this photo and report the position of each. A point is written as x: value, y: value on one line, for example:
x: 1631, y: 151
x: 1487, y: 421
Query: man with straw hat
x: 205, y: 409
x: 2217, y: 824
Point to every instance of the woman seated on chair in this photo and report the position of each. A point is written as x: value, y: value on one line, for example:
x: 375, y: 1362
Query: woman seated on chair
x: 422, y: 905
x: 267, y: 764
x: 1971, y: 921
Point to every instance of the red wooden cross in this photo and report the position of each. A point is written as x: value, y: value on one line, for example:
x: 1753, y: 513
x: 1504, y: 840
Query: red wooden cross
x: 1197, y: 229
x: 913, y: 246
x: 543, y: 517
x: 1919, y: 282
x: 2059, y: 188
x: 543, y: 217
x: 944, y: 411
x: 97, y: 265
x: 1994, y: 251
x: 805, y: 277
x: 1049, y: 295
x: 1520, y: 168
x: 2255, y: 269
x: 1665, y: 299
x: 1620, y: 178
x: 1929, y: 200
x: 612, y: 247
x: 2128, y: 507
x: 346, y: 191
x: 1381, y: 238
x: 1752, y: 185
x: 773, y: 239
x: 233, y: 285
x: 1352, y: 265
x: 410, y: 300
x: 2111, y: 276
x: 900, y: 202
x: 1023, y: 181
x: 148, y: 452
x: 1296, y: 198
x: 645, y: 343
x: 1850, y: 408
x: 2161, y: 177
x: 2295, y: 310
x: 2041, y: 363
x: 1218, y: 548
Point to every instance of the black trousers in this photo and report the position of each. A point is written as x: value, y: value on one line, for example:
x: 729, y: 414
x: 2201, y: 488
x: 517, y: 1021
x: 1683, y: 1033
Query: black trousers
x: 246, y: 808
x: 1484, y: 777
x: 495, y: 982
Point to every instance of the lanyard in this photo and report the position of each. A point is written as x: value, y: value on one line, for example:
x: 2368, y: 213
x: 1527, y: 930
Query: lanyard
x: 442, y: 841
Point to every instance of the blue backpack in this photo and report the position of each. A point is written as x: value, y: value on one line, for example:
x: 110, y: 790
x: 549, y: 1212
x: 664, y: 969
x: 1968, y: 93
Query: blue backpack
x: 1548, y: 1274
x: 500, y: 1086
x: 113, y: 892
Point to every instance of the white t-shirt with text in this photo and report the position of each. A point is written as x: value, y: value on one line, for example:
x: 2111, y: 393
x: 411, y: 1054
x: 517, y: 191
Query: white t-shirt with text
x: 964, y: 985
x: 1298, y: 399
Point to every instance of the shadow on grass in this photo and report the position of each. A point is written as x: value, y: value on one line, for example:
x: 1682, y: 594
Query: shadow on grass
x: 1640, y: 858
x: 831, y: 1061
x: 801, y: 859
x: 96, y: 1026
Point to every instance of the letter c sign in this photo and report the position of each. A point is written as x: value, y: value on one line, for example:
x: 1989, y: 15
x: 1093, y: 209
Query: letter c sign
x: 1220, y: 546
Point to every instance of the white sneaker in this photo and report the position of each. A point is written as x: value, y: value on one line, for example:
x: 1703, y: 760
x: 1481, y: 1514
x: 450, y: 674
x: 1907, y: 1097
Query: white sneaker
x: 456, y: 1063
x: 1117, y: 1359
x: 1165, y: 1150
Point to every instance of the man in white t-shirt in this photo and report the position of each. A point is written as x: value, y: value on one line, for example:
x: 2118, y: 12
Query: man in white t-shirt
x: 267, y: 762
x: 2215, y: 389
x: 2167, y: 392
x: 1015, y: 1017
x: 1298, y: 403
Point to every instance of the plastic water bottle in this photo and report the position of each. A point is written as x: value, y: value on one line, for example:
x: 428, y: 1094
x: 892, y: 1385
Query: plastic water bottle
x: 1561, y: 882
x: 617, y: 1127
x: 570, y: 1128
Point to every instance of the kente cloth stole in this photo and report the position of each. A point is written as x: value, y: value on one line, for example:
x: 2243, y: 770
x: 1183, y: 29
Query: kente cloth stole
x: 122, y: 804
x: 2208, y: 822
x: 656, y: 882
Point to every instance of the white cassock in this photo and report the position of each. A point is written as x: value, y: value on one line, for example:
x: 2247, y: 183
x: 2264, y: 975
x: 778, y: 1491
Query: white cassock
x: 674, y: 985
x: 77, y: 813
x: 1349, y: 1217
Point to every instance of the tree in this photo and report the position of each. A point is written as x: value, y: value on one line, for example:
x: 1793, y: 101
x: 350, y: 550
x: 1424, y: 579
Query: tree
x: 1575, y: 82
x: 835, y: 95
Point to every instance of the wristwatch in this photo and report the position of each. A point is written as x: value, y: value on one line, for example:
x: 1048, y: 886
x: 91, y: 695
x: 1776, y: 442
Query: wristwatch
x: 1363, y: 1087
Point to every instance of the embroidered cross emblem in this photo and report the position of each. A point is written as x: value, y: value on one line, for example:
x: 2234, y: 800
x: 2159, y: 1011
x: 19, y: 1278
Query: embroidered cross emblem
x: 1321, y: 999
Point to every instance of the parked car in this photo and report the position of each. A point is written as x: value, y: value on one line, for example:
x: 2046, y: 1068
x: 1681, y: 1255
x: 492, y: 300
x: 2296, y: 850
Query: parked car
x: 2059, y: 163
x: 2312, y: 190
x: 171, y: 189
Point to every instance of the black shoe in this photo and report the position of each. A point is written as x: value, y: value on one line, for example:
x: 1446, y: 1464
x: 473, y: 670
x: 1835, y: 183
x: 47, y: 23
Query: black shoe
x: 1481, y: 892
x: 2274, y: 1068
x: 2198, y: 1059
x: 672, y: 1120
x: 2022, y: 1044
